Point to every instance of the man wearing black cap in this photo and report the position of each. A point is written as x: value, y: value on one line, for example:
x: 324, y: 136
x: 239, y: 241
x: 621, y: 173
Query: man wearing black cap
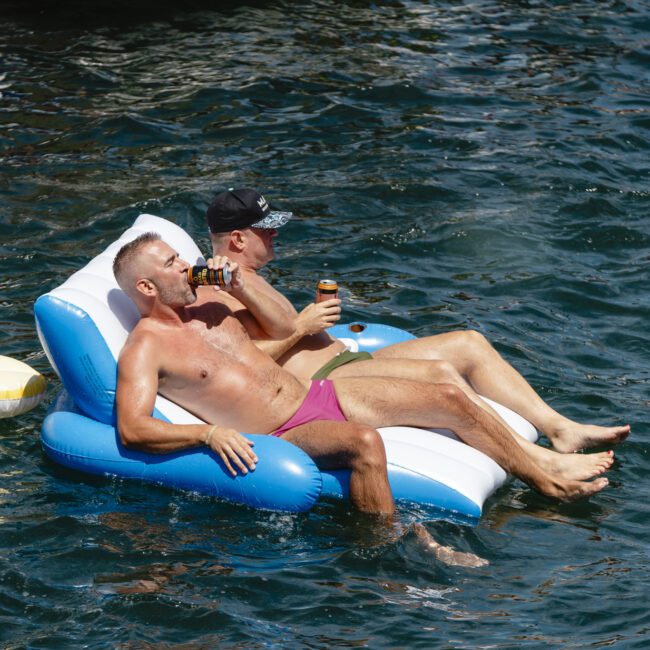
x: 201, y: 357
x: 243, y: 227
x: 243, y: 208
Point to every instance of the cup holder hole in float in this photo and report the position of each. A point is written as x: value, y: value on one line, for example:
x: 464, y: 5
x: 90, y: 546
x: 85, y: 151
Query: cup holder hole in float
x: 357, y: 327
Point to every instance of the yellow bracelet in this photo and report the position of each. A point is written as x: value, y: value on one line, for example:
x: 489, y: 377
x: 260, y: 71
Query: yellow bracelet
x: 209, y: 436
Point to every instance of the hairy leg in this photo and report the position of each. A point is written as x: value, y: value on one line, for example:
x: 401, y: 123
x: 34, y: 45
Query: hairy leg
x: 391, y: 401
x: 346, y: 445
x: 491, y: 375
x: 570, y: 466
x: 336, y: 445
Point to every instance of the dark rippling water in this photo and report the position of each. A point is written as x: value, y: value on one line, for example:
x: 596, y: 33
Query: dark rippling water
x: 453, y: 164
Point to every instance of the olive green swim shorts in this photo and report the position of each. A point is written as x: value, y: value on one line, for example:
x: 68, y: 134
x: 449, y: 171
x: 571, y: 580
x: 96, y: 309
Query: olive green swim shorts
x: 340, y: 359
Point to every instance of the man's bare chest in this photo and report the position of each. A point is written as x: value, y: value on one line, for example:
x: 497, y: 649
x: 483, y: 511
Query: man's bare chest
x: 203, y: 345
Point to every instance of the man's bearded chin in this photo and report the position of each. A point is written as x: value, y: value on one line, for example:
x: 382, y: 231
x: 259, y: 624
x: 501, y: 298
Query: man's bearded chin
x: 177, y: 297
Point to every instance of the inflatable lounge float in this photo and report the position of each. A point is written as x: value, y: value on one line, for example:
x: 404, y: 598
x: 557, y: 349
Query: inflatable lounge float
x: 21, y: 387
x: 83, y: 325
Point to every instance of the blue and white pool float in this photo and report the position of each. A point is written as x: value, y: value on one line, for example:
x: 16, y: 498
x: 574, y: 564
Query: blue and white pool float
x: 83, y: 325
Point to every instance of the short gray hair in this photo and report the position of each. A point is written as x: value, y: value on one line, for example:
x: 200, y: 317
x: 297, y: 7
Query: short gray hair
x: 127, y: 254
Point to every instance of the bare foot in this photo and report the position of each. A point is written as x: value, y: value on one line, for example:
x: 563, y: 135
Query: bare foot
x: 572, y: 467
x: 446, y: 554
x: 574, y: 490
x: 574, y: 437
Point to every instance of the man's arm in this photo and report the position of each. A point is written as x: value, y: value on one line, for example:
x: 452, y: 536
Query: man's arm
x: 137, y: 385
x: 267, y: 312
x: 314, y: 318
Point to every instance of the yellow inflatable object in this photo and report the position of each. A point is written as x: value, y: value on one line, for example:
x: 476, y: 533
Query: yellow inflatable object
x: 21, y: 387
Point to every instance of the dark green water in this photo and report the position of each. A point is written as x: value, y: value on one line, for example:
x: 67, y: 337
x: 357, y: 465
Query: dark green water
x: 453, y: 164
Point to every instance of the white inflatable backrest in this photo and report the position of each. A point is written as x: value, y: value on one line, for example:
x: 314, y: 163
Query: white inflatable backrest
x: 94, y: 288
x: 88, y: 310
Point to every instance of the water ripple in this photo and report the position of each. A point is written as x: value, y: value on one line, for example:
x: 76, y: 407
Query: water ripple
x: 454, y: 165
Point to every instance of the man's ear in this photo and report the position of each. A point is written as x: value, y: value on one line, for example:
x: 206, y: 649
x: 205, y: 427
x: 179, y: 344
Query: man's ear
x: 146, y: 287
x: 237, y: 240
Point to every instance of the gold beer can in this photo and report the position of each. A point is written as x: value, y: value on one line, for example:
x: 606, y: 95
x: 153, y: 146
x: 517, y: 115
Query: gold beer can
x: 201, y: 276
x: 326, y: 290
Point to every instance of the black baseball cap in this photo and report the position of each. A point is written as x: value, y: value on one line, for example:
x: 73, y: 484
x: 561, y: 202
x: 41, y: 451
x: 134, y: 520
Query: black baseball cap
x: 243, y: 208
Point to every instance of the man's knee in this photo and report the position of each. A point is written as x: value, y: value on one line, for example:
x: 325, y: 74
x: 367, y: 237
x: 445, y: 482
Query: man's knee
x: 453, y: 397
x: 444, y: 372
x: 368, y: 446
x: 473, y: 339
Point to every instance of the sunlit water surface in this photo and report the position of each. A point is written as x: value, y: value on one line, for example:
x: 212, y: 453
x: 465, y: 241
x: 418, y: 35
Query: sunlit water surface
x: 454, y: 165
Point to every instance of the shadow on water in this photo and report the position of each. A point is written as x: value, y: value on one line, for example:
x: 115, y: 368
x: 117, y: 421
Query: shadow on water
x: 78, y: 14
x: 117, y: 9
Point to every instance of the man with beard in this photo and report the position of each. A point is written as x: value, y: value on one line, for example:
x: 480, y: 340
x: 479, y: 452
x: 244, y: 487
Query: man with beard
x: 200, y: 356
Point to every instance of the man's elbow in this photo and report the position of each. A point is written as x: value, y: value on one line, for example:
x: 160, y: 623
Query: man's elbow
x: 129, y: 435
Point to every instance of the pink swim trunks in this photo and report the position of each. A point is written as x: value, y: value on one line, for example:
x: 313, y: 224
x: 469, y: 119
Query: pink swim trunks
x: 320, y: 403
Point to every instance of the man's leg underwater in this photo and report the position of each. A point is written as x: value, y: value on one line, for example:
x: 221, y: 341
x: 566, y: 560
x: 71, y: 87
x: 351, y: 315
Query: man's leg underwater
x: 390, y: 401
x: 337, y: 445
x: 346, y: 445
x: 491, y: 375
